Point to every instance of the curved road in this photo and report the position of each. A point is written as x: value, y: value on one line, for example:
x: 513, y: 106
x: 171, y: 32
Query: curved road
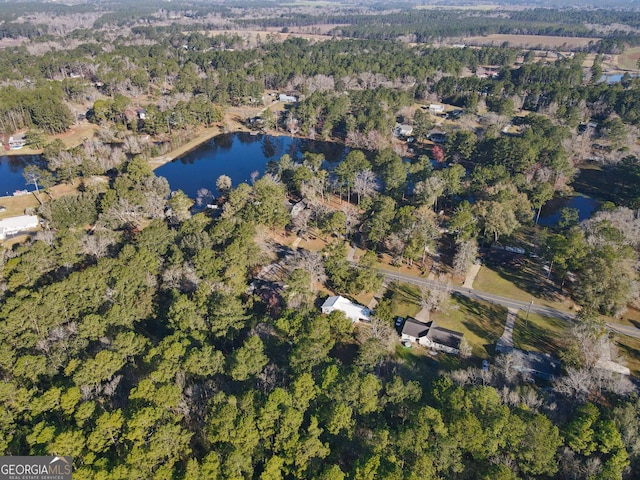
x: 504, y: 301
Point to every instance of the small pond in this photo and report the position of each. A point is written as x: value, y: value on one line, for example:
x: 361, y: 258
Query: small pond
x: 238, y: 155
x: 550, y: 214
x: 11, y: 178
x: 615, y: 77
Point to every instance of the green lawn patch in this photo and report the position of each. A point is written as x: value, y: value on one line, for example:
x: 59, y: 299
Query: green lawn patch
x: 540, y: 334
x: 629, y: 350
x: 405, y: 299
x: 519, y: 285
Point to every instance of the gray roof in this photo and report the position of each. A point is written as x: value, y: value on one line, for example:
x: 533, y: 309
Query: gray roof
x: 444, y: 336
x: 540, y: 364
x: 329, y: 302
x: 414, y: 328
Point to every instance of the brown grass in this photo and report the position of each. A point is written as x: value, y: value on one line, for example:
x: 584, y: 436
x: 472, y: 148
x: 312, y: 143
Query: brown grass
x: 628, y: 60
x: 531, y: 41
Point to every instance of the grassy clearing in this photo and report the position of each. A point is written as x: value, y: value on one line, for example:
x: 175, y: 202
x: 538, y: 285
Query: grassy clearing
x: 628, y: 60
x: 405, y: 299
x: 629, y: 350
x: 520, y: 285
x: 532, y: 41
x: 16, y: 205
x: 631, y: 318
x: 482, y: 323
x: 540, y: 334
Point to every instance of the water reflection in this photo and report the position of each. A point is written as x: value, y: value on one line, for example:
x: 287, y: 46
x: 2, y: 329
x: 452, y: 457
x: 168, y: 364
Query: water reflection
x: 550, y: 214
x: 238, y: 155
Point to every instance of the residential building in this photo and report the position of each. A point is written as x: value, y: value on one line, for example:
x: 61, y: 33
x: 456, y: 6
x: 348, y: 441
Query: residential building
x: 14, y: 225
x: 353, y: 311
x: 432, y: 336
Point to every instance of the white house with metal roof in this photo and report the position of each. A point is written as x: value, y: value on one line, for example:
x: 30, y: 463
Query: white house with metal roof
x: 12, y: 225
x: 353, y: 311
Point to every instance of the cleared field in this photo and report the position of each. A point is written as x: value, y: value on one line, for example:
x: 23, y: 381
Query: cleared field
x: 531, y: 41
x: 628, y: 60
x: 71, y: 138
x: 519, y: 285
x: 315, y: 33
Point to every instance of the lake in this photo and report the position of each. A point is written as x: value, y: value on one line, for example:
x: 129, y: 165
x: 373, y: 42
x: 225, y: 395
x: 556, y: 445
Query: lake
x: 550, y: 214
x: 11, y: 178
x: 238, y: 155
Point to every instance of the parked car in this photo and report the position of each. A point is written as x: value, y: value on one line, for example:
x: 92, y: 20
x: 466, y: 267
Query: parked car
x: 485, y: 365
x: 399, y: 321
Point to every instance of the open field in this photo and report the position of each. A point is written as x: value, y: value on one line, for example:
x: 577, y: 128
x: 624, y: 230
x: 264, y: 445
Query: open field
x: 71, y: 138
x: 519, y: 285
x: 16, y: 205
x: 532, y: 41
x: 315, y: 33
x: 485, y: 7
x: 628, y: 60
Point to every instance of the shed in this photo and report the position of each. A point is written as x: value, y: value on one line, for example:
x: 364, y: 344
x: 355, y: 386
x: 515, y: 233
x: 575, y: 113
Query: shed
x: 287, y: 98
x: 13, y: 225
x: 436, y: 108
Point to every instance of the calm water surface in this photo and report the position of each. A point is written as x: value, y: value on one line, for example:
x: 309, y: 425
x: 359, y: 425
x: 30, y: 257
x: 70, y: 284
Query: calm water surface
x: 238, y: 155
x: 550, y: 214
x: 11, y: 167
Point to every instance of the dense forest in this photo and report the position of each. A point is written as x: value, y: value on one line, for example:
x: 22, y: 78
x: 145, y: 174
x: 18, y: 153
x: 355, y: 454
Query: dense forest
x: 147, y: 339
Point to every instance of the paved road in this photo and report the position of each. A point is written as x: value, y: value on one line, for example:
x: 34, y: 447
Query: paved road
x: 504, y: 301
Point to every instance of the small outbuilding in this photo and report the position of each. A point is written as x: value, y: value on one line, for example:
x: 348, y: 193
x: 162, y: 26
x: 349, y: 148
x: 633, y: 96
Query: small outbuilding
x: 287, y: 98
x: 13, y: 225
x: 353, y: 311
x: 436, y: 109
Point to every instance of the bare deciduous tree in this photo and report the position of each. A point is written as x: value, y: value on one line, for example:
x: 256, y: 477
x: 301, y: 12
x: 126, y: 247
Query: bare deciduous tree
x: 466, y: 254
x: 365, y: 184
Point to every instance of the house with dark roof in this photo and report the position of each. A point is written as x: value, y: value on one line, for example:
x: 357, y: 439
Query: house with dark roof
x: 431, y: 336
x: 541, y: 365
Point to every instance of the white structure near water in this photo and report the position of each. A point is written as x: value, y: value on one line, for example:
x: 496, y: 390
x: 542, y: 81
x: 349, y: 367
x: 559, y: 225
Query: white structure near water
x: 14, y: 225
x: 353, y: 311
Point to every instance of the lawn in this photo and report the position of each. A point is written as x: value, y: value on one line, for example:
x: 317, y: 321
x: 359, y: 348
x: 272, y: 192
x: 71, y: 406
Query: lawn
x: 16, y: 205
x: 540, y: 334
x: 532, y: 41
x: 405, y: 299
x: 629, y: 350
x: 482, y: 323
x: 629, y: 59
x: 630, y: 317
x: 518, y: 285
